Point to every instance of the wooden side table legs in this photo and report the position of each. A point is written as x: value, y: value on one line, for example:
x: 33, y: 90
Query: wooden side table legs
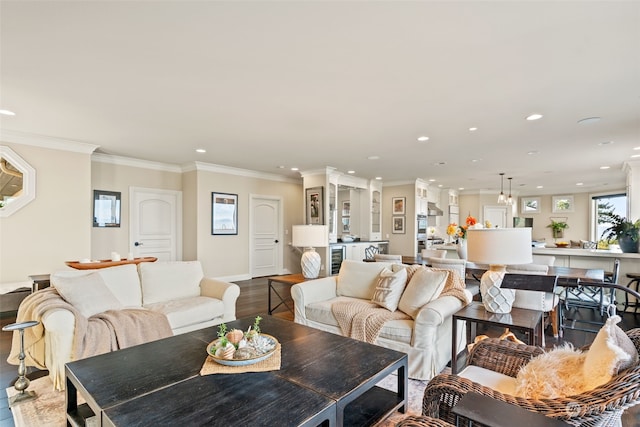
x: 22, y: 383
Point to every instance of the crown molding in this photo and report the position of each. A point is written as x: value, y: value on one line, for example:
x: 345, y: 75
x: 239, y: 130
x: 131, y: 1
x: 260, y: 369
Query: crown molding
x: 229, y: 170
x: 136, y: 163
x: 16, y: 137
x: 397, y: 183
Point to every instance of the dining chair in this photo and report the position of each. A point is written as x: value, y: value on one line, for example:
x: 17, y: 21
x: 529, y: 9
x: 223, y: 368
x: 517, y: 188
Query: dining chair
x: 370, y: 252
x: 433, y: 253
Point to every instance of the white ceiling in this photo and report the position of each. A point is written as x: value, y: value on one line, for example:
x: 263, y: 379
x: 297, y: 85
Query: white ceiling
x: 312, y: 84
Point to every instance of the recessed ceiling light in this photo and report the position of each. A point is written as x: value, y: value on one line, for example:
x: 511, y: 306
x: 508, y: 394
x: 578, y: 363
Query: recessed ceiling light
x: 373, y: 157
x: 439, y: 185
x: 280, y: 167
x: 460, y: 188
x: 351, y: 171
x: 532, y: 153
x: 539, y: 186
x: 476, y: 160
x: 432, y: 180
x: 7, y: 113
x: 423, y: 138
x: 635, y: 156
x: 473, y: 129
x: 636, y: 148
x: 588, y: 120
x: 605, y: 143
x: 200, y: 150
x: 534, y: 116
x: 440, y: 163
x: 605, y: 167
x: 294, y: 169
x: 579, y: 183
x: 378, y: 177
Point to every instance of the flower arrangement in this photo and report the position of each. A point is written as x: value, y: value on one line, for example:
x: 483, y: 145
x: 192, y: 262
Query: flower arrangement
x: 236, y: 344
x: 460, y: 231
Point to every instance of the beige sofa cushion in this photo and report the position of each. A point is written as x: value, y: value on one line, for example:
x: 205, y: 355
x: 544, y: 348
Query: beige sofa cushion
x: 396, y: 330
x: 358, y: 279
x: 424, y: 286
x: 124, y: 283
x: 87, y: 293
x: 188, y: 311
x: 166, y: 281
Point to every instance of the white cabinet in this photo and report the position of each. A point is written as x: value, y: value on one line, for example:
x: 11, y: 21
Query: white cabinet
x: 355, y: 251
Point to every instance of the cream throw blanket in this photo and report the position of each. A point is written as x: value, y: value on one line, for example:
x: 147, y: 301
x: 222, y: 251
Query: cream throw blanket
x: 363, y: 320
x: 102, y: 333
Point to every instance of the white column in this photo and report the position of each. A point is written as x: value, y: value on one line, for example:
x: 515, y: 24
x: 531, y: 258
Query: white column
x: 632, y: 169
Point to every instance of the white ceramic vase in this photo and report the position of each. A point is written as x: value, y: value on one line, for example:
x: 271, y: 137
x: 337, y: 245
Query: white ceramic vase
x: 461, y: 248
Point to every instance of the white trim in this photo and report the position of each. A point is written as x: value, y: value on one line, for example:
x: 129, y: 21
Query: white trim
x: 136, y: 163
x: 234, y: 278
x: 229, y: 170
x: 16, y: 137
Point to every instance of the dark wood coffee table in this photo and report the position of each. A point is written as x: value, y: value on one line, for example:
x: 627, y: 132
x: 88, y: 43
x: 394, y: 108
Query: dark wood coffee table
x: 325, y: 379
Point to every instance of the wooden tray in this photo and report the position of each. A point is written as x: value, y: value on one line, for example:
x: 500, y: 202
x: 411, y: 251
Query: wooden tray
x: 107, y: 263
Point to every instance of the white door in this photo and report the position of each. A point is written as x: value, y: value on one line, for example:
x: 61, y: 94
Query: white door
x: 266, y: 236
x: 497, y: 215
x: 155, y: 223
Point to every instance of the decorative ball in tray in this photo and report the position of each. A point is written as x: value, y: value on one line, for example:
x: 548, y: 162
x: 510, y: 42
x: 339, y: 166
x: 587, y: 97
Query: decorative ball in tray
x: 562, y: 244
x: 238, y: 348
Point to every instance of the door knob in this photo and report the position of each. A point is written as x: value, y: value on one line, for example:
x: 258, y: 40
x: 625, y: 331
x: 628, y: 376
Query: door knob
x: 137, y: 244
x: 276, y: 241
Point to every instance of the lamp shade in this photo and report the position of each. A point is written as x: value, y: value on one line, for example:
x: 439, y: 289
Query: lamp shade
x: 501, y: 246
x: 310, y: 236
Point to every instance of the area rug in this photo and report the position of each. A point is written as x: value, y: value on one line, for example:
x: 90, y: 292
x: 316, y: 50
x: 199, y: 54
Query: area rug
x: 48, y: 410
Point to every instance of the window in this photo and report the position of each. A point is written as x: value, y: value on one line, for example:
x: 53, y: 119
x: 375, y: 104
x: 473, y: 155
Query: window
x: 615, y: 203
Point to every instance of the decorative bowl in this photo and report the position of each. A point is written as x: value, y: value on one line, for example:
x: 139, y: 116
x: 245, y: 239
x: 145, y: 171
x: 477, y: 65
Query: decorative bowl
x: 269, y: 347
x: 562, y: 244
x: 347, y: 239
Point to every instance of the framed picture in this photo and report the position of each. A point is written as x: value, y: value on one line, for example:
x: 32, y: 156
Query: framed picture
x: 346, y: 208
x: 398, y: 225
x: 106, y: 208
x: 530, y: 205
x: 398, y: 206
x: 224, y: 213
x: 560, y: 204
x: 315, y: 205
x: 346, y: 225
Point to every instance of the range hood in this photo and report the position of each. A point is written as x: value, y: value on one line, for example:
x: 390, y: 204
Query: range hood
x: 433, y: 210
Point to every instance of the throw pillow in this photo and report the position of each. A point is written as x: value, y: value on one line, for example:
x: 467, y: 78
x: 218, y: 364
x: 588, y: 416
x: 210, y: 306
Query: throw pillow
x: 612, y: 351
x: 389, y: 288
x: 87, y: 293
x: 424, y: 286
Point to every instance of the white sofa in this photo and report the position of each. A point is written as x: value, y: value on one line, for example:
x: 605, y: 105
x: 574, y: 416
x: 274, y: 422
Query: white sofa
x: 179, y: 290
x: 426, y: 338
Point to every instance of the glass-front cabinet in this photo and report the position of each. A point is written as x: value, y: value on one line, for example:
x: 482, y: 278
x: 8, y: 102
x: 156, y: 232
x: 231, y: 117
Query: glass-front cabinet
x: 333, y: 212
x: 375, y: 231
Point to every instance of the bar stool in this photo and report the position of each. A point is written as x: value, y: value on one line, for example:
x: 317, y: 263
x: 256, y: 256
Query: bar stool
x: 22, y: 383
x: 634, y: 282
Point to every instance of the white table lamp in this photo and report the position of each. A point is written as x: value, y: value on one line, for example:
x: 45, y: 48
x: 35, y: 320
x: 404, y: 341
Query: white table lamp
x: 498, y: 247
x: 310, y: 237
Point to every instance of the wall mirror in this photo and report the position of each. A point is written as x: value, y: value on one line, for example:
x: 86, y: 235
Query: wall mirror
x: 17, y: 182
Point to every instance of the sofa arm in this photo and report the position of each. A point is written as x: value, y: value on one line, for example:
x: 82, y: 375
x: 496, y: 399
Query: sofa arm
x: 312, y: 291
x: 226, y: 292
x: 59, y: 330
x: 432, y: 315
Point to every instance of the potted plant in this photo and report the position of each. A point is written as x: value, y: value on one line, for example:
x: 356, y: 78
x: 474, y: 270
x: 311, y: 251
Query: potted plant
x: 625, y: 231
x: 557, y: 228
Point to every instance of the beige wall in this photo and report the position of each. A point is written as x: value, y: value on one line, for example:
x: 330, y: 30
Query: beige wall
x: 228, y: 256
x: 120, y: 178
x: 190, y: 215
x: 403, y: 244
x: 56, y: 226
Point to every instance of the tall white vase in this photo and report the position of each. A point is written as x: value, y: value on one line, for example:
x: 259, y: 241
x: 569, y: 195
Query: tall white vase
x: 461, y: 248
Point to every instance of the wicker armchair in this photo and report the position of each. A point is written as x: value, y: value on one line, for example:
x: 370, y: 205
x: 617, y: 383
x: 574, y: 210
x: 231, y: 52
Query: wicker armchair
x: 602, y: 406
x: 422, y: 421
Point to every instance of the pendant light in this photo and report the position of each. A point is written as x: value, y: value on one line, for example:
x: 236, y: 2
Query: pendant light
x: 501, y: 198
x: 509, y: 198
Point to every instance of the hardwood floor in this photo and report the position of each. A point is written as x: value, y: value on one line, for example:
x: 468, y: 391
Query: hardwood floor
x: 253, y: 301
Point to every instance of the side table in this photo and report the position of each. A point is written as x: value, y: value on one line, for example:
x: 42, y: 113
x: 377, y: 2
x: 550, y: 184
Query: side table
x: 527, y: 321
x: 288, y: 280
